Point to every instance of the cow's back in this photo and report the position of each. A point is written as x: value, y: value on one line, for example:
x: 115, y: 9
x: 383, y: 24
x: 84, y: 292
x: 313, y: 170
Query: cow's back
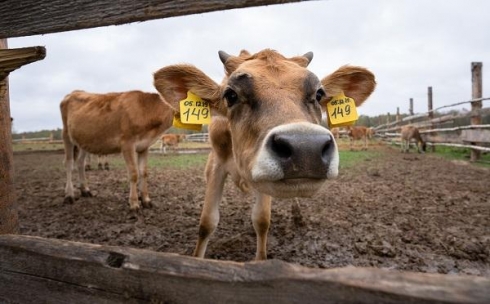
x: 102, y: 123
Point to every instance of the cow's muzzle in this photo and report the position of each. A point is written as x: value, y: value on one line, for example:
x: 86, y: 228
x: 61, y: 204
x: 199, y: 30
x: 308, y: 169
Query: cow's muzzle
x: 302, y: 155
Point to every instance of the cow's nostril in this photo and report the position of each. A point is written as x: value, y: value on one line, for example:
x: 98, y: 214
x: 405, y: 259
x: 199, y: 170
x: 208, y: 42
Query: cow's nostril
x: 281, y: 146
x: 326, y: 151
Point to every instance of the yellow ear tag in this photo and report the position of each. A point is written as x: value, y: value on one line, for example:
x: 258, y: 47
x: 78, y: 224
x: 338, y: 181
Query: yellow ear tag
x: 193, y: 110
x: 341, y: 111
x: 178, y: 124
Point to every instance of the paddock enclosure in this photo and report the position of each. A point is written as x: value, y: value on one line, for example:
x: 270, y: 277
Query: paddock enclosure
x: 425, y: 216
x: 393, y: 211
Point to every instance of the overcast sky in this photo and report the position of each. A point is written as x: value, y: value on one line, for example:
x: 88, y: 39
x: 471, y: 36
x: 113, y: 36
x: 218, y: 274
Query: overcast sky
x: 408, y: 44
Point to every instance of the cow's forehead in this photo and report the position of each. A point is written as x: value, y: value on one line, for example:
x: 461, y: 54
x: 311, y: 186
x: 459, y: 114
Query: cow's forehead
x: 284, y: 75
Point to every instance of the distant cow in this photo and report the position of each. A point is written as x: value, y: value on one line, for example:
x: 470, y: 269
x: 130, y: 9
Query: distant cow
x: 370, y: 133
x: 171, y: 141
x: 127, y: 123
x: 408, y: 133
x: 266, y: 131
x: 102, y: 162
x: 358, y: 133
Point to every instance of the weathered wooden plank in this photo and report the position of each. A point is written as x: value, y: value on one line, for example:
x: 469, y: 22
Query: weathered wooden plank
x: 32, y: 17
x: 12, y: 59
x: 477, y: 136
x: 48, y: 270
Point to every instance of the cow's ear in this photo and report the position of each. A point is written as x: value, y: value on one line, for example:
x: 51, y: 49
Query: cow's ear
x: 173, y: 82
x: 356, y: 82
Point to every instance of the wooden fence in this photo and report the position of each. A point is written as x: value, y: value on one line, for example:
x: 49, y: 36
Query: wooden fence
x: 440, y: 130
x: 38, y: 270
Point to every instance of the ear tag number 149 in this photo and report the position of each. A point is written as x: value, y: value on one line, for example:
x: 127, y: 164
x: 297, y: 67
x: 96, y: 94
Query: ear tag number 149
x: 341, y: 111
x: 194, y: 110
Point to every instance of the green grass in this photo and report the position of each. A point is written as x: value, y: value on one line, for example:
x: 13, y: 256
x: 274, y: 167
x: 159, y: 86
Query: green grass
x: 19, y: 146
x: 351, y: 158
x: 454, y: 153
x: 161, y: 161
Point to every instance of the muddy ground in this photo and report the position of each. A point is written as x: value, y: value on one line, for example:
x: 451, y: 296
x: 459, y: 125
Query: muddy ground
x: 399, y: 211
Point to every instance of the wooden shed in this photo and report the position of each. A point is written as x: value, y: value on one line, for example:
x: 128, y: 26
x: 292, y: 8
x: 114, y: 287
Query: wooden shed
x: 38, y: 270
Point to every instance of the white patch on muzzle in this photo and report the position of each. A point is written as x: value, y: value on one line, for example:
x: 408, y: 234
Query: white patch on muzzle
x: 266, y: 167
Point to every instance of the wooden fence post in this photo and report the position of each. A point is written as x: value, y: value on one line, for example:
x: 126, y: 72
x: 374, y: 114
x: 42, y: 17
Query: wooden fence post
x: 410, y: 109
x: 476, y: 92
x: 388, y: 118
x: 397, y: 114
x: 8, y: 216
x: 431, y: 113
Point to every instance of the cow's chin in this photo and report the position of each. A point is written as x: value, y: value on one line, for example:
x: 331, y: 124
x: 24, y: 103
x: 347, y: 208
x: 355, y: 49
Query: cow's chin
x: 287, y: 188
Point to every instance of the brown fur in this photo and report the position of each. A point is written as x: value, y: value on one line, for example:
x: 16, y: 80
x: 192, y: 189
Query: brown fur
x: 127, y: 123
x: 358, y: 133
x: 335, y: 132
x: 272, y: 92
x: 408, y: 133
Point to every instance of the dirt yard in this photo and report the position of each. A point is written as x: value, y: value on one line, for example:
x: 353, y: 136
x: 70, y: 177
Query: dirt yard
x: 409, y: 212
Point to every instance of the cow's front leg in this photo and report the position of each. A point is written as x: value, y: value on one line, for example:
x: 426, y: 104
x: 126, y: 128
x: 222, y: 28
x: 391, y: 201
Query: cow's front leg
x: 143, y: 178
x: 261, y: 219
x: 129, y: 155
x: 215, y: 178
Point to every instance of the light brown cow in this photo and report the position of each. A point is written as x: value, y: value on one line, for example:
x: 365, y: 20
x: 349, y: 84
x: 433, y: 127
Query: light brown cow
x: 266, y: 131
x: 408, y: 133
x: 102, y: 162
x: 171, y: 141
x: 358, y: 133
x: 336, y: 132
x: 370, y: 133
x: 127, y: 123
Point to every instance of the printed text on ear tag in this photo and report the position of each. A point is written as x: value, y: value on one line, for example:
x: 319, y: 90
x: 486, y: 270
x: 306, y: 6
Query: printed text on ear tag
x: 341, y: 111
x: 193, y: 110
x: 178, y: 124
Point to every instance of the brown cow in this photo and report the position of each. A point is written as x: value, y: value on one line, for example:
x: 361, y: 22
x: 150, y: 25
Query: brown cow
x: 170, y: 140
x: 358, y: 133
x: 266, y: 131
x: 336, y: 132
x: 370, y: 133
x: 101, y: 124
x: 410, y: 132
x: 102, y: 162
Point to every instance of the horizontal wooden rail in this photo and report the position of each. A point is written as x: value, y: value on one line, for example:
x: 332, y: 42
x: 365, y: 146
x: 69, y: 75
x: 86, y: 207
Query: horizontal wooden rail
x: 34, y: 269
x: 33, y: 17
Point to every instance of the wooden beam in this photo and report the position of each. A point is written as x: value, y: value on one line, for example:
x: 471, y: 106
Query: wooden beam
x: 476, y: 92
x: 9, y: 222
x: 33, y: 17
x: 12, y: 59
x: 49, y: 270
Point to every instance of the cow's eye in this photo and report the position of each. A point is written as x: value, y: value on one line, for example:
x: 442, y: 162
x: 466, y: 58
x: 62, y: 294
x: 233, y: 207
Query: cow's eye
x: 319, y: 95
x: 231, y: 97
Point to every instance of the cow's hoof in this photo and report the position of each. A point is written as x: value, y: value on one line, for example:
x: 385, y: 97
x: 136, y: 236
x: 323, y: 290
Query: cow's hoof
x: 106, y: 166
x: 100, y: 167
x: 68, y: 200
x: 147, y: 204
x: 85, y: 193
x: 88, y: 168
x: 134, y: 207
